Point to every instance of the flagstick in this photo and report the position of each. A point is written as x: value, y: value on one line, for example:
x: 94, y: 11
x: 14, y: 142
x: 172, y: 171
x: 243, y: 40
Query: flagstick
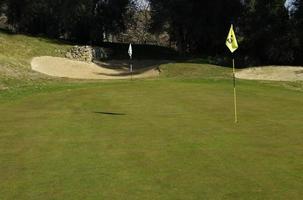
x: 235, y: 91
x: 232, y: 44
x: 131, y: 68
x: 130, y: 53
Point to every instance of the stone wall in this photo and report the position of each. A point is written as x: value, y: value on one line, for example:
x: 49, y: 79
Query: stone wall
x: 81, y: 53
x: 87, y: 53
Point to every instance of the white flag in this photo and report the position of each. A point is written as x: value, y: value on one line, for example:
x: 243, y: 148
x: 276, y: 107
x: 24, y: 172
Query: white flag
x: 130, y: 50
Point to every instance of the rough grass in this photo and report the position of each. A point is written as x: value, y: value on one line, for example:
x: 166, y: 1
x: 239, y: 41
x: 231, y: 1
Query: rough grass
x: 15, y: 57
x: 166, y: 138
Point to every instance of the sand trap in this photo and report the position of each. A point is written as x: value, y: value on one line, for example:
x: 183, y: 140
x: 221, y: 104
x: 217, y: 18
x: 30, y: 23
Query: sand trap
x: 65, y: 68
x: 272, y: 73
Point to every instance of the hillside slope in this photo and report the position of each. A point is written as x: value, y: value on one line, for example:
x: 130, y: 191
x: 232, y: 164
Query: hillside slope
x: 16, y: 52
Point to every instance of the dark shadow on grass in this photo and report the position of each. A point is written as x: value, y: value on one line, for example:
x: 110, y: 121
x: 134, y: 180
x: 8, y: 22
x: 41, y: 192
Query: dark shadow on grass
x: 110, y: 113
x: 124, y: 74
x: 138, y: 65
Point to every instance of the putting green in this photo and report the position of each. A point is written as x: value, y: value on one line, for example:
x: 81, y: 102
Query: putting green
x: 157, y: 139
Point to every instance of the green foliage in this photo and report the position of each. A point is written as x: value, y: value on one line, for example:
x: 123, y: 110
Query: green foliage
x: 267, y: 33
x: 297, y: 21
x: 81, y: 20
x: 196, y: 25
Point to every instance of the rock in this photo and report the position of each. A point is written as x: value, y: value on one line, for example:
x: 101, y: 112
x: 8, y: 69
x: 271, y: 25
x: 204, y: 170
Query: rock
x: 87, y: 53
x: 81, y: 53
x: 69, y: 55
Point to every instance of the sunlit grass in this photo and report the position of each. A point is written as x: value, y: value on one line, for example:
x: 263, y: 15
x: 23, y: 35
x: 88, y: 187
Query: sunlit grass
x: 171, y: 137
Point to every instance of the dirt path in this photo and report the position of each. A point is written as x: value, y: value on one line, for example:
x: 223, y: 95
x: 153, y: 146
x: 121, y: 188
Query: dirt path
x: 272, y: 73
x: 62, y: 67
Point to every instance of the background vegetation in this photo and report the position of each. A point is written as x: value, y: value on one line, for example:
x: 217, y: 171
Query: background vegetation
x: 269, y: 32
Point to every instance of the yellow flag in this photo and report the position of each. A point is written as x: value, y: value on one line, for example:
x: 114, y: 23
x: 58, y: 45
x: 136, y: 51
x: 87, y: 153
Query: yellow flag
x: 231, y: 41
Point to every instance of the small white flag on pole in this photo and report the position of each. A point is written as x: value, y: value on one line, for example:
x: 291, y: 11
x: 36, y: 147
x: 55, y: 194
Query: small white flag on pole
x: 130, y: 51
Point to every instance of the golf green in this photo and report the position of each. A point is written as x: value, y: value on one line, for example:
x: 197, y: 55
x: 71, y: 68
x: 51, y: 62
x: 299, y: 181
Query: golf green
x: 153, y: 139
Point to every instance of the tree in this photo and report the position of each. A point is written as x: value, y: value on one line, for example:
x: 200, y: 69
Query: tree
x: 80, y: 20
x: 266, y: 31
x: 297, y: 22
x: 138, y: 26
x: 196, y: 26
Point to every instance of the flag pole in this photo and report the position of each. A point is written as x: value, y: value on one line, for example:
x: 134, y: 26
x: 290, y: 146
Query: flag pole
x: 130, y: 53
x: 235, y: 91
x: 131, y: 68
x: 232, y: 44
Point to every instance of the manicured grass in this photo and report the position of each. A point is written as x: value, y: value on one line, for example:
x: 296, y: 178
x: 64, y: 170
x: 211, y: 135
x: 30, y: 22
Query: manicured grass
x: 167, y: 138
x: 159, y: 139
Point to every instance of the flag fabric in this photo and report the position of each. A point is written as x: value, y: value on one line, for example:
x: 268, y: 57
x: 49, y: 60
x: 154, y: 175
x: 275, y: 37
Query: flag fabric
x: 231, y: 41
x: 130, y: 50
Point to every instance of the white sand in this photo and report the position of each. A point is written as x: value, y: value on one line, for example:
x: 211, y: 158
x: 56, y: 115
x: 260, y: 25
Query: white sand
x: 62, y: 67
x: 272, y: 73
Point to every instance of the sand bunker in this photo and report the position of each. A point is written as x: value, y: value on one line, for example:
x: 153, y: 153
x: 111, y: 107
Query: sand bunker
x: 65, y: 68
x: 272, y: 73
